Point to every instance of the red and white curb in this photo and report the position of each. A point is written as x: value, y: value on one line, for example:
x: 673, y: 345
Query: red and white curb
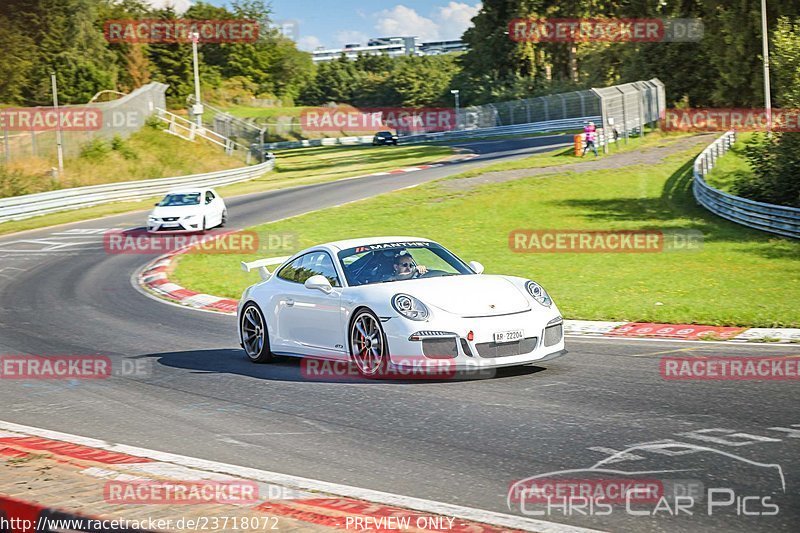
x: 304, y: 499
x: 154, y: 278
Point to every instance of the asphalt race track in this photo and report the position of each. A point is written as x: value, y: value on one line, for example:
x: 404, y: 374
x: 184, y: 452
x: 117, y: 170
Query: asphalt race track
x: 457, y: 442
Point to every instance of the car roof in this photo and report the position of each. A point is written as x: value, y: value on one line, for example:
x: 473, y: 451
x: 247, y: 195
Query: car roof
x: 366, y: 241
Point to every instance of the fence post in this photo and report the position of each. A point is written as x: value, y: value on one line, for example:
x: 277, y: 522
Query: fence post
x: 624, y: 117
x: 5, y: 144
x: 546, y: 108
x: 641, y: 112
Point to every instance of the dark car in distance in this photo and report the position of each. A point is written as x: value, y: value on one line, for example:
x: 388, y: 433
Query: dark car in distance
x: 384, y: 137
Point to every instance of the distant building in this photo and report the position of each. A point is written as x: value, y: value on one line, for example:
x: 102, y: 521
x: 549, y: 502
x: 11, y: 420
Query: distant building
x: 391, y: 46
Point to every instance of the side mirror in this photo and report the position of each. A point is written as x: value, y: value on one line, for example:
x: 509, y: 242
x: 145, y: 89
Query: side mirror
x: 477, y: 267
x: 319, y: 282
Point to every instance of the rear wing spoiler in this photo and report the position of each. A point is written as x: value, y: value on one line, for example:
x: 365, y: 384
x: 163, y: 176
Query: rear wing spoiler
x: 261, y: 265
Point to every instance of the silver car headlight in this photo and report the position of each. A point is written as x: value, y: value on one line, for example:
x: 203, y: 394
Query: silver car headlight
x: 538, y: 293
x: 189, y: 217
x: 410, y: 307
x: 151, y: 218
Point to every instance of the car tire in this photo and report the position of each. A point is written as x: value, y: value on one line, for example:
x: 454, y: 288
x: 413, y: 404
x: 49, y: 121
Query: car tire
x: 203, y: 227
x: 224, y: 219
x: 254, y: 334
x: 369, y: 350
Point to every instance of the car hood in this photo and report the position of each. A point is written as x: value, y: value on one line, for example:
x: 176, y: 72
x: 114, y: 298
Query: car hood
x: 176, y: 211
x: 468, y: 295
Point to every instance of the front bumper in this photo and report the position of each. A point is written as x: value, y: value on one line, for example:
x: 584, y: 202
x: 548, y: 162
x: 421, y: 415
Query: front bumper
x: 446, y: 338
x: 174, y: 226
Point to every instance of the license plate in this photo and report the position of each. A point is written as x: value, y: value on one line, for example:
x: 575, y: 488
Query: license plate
x: 171, y: 226
x: 508, y: 336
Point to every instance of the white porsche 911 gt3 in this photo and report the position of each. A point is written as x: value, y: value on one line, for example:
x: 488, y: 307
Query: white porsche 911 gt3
x: 386, y: 301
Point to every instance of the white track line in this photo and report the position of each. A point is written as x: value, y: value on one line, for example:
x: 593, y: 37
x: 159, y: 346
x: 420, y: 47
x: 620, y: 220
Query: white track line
x: 731, y: 342
x: 428, y: 506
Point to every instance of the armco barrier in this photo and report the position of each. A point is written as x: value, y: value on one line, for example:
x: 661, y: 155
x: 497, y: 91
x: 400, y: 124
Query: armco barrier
x: 31, y: 205
x: 517, y: 129
x: 777, y: 219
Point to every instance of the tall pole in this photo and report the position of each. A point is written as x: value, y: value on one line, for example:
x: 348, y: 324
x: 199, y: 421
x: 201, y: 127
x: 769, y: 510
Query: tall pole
x: 765, y: 43
x: 455, y: 93
x: 197, y: 109
x: 59, y: 146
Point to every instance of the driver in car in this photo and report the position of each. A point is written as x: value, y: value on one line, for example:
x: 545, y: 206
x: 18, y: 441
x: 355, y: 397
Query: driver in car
x: 406, y: 268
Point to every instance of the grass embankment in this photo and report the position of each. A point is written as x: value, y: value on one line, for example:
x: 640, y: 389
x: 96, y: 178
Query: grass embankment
x: 732, y: 167
x: 739, y: 277
x: 293, y: 167
x: 567, y: 155
x: 147, y: 154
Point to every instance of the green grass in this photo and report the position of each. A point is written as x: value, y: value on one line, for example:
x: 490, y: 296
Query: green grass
x: 243, y: 111
x: 293, y: 168
x: 732, y: 167
x: 740, y: 277
x: 147, y: 154
x: 306, y: 166
x: 567, y: 156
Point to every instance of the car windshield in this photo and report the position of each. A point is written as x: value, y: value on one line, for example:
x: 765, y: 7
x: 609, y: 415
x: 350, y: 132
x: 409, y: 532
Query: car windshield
x: 172, y: 200
x: 398, y: 261
x: 385, y: 134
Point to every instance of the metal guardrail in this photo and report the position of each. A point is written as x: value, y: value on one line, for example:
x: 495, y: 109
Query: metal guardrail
x: 327, y: 141
x: 778, y: 219
x: 31, y: 205
x: 516, y: 129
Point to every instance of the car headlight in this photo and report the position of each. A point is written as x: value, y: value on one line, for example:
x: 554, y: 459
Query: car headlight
x: 151, y: 218
x: 189, y: 217
x: 410, y: 307
x: 538, y: 293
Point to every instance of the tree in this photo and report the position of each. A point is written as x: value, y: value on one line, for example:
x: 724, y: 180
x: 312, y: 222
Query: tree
x: 18, y: 52
x: 785, y: 59
x: 423, y: 81
x: 66, y: 42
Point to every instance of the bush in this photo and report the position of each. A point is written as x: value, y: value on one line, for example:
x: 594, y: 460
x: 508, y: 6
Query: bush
x: 95, y: 150
x: 119, y: 145
x: 155, y: 123
x: 12, y: 183
x: 776, y: 164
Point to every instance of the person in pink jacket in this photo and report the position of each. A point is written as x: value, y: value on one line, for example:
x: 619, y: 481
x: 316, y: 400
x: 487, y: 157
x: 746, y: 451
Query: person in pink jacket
x: 590, y: 138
